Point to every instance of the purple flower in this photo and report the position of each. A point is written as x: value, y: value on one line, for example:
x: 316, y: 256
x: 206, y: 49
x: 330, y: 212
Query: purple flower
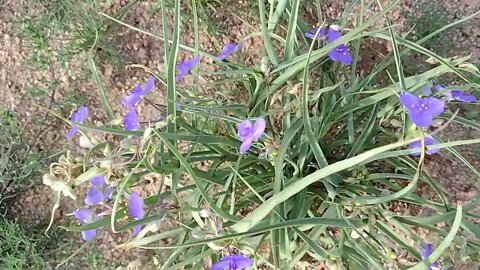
x: 438, y: 87
x: 130, y: 119
x: 135, y: 210
x: 460, y: 96
x: 136, y: 94
x: 233, y: 262
x: 77, y: 117
x: 340, y: 53
x: 421, y: 111
x: 228, y: 49
x: 424, y: 253
x: 249, y: 132
x: 97, y: 192
x: 427, y: 91
x: 428, y: 141
x: 456, y: 94
x: 183, y: 67
x: 315, y: 33
x: 333, y: 34
x: 86, y: 217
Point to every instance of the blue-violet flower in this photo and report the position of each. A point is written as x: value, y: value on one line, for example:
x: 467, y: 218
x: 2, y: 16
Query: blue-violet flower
x: 183, y: 67
x: 249, y: 132
x: 77, y: 117
x: 137, y: 92
x: 86, y: 217
x: 339, y: 53
x: 130, y: 119
x: 135, y: 210
x: 428, y: 141
x: 425, y: 252
x: 233, y: 262
x: 456, y: 94
x: 228, y: 49
x: 421, y: 111
x: 97, y: 192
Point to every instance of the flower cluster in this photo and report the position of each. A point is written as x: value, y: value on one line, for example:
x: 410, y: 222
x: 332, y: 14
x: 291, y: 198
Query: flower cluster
x: 99, y: 193
x: 96, y: 194
x: 339, y: 53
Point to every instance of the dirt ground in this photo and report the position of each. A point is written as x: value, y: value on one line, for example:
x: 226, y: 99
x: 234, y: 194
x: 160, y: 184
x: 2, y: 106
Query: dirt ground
x: 16, y: 77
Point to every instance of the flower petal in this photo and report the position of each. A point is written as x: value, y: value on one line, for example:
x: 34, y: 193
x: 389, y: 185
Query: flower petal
x: 245, y: 130
x: 130, y: 119
x: 221, y: 265
x: 420, y: 119
x: 332, y: 54
x: 246, y: 145
x: 433, y: 106
x: 259, y: 128
x: 135, y: 206
x: 71, y: 132
x: 88, y: 234
x: 426, y: 91
x: 94, y: 196
x: 136, y: 229
x: 79, y: 115
x: 409, y: 101
x: 98, y: 180
x: 316, y: 33
x: 428, y: 141
x: 183, y: 67
x: 333, y: 35
x: 83, y: 215
x: 233, y: 261
x: 108, y: 193
x: 437, y: 87
x: 149, y: 85
x: 227, y: 49
x: 344, y: 55
x: 132, y: 99
x: 460, y: 96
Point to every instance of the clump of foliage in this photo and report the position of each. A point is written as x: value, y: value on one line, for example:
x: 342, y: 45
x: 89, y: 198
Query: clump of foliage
x: 20, y: 248
x: 306, y: 169
x: 18, y: 164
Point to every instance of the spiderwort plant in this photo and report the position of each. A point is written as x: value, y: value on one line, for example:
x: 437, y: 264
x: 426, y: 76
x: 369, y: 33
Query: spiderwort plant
x: 183, y: 67
x: 233, y: 262
x: 428, y: 141
x: 98, y: 192
x: 421, y: 111
x: 86, y: 217
x: 228, y: 49
x: 135, y: 210
x: 425, y: 253
x: 249, y: 132
x: 77, y: 117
